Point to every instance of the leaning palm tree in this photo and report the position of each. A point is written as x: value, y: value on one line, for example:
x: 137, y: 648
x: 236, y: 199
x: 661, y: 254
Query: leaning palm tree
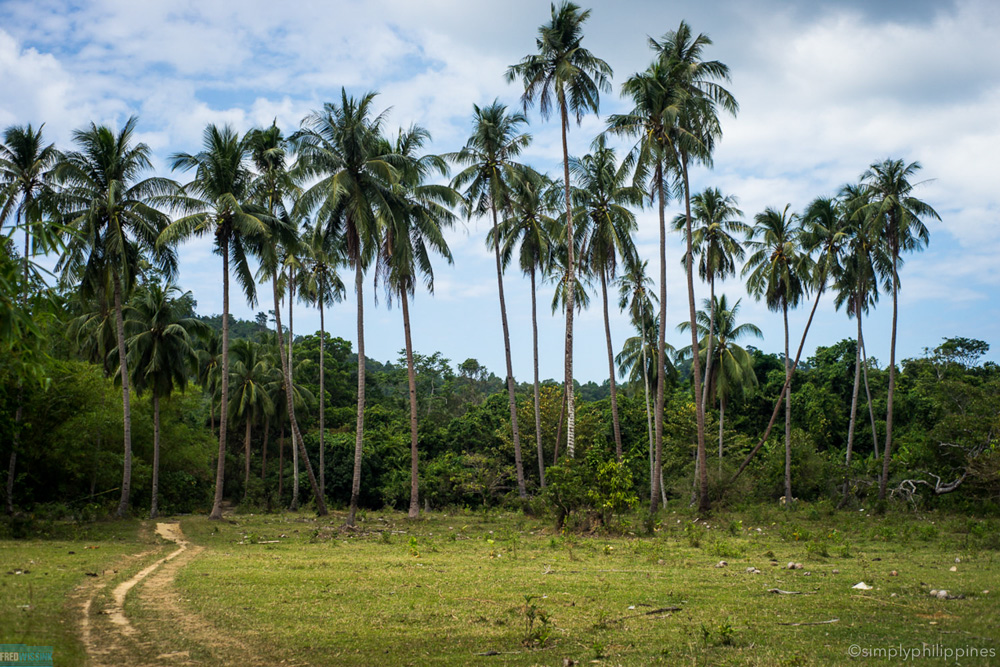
x: 777, y: 273
x: 249, y: 399
x: 718, y: 220
x: 694, y: 133
x: 219, y: 202
x: 160, y: 352
x: 342, y: 146
x: 414, y: 224
x: 896, y: 214
x: 489, y: 171
x: 109, y: 208
x: 604, y: 195
x: 528, y: 226
x: 25, y: 190
x: 566, y: 75
x: 322, y: 287
x: 733, y: 369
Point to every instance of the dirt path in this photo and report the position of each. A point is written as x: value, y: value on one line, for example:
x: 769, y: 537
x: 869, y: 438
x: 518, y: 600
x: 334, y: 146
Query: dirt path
x: 162, y: 630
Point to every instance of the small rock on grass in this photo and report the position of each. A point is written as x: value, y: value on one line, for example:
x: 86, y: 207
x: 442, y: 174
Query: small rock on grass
x: 861, y: 586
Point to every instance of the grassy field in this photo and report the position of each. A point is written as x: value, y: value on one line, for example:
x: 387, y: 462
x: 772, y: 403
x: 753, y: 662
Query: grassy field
x: 501, y: 588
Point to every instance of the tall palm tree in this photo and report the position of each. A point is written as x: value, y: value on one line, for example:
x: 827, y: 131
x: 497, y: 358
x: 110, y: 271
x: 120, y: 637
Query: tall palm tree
x: 488, y: 172
x: 717, y: 220
x: 734, y: 367
x: 342, y: 146
x: 160, y: 352
x: 896, y: 215
x: 219, y: 202
x: 528, y: 226
x: 694, y: 133
x: 604, y: 194
x: 777, y: 273
x: 414, y: 225
x: 564, y: 74
x: 25, y: 187
x: 210, y: 371
x: 109, y: 208
x: 249, y: 399
x: 322, y: 287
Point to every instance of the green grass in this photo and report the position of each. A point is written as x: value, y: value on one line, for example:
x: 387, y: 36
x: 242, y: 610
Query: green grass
x: 35, y: 606
x: 449, y: 588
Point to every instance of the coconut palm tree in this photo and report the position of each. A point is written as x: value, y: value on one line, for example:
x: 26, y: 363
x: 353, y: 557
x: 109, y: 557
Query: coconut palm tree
x: 108, y: 206
x: 249, y: 399
x: 160, y: 352
x: 734, y: 367
x: 896, y: 215
x: 342, y: 146
x: 694, y: 133
x: 488, y: 172
x: 210, y: 371
x: 567, y: 76
x: 528, y: 226
x: 219, y: 202
x: 321, y: 287
x: 414, y: 225
x: 777, y: 272
x: 25, y: 188
x: 604, y: 195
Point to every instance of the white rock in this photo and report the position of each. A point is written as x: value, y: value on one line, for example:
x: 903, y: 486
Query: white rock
x: 721, y: 563
x: 950, y: 569
x: 957, y: 560
x: 934, y: 593
x: 942, y: 595
x: 862, y: 586
x: 791, y: 564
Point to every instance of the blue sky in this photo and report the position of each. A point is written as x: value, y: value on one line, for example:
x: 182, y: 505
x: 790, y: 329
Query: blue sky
x: 825, y: 89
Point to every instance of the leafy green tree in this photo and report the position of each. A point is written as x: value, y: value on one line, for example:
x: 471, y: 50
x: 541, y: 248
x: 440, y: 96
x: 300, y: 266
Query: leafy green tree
x: 488, y: 172
x: 160, y: 352
x: 568, y: 76
x: 111, y: 212
x: 896, y: 215
x: 343, y: 147
x: 604, y: 194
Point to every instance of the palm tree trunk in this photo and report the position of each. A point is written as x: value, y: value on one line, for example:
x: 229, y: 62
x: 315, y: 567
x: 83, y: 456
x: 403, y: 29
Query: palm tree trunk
x: 322, y: 397
x: 297, y: 442
x: 220, y: 470
x: 570, y: 295
x: 13, y: 462
x: 703, y: 504
x: 263, y: 449
x: 123, y: 504
x: 154, y: 507
x: 611, y: 371
x: 19, y: 413
x: 295, y: 451
x: 246, y: 458
x: 788, y: 416
x: 281, y: 463
x: 722, y: 420
x: 649, y: 412
x: 709, y: 358
x: 515, y: 432
x: 661, y: 343
x: 359, y: 431
x: 868, y: 392
x: 887, y: 449
x: 857, y: 384
x: 559, y: 426
x: 538, y: 401
x: 211, y: 414
x: 411, y: 378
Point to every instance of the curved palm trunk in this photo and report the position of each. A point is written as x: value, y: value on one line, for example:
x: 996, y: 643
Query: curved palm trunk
x: 126, y: 406
x: 788, y: 416
x: 538, y: 402
x: 868, y: 393
x: 522, y: 492
x: 857, y: 384
x: 887, y: 449
x: 411, y: 378
x: 322, y: 398
x: 661, y: 345
x: 295, y: 451
x: 570, y: 295
x: 611, y: 371
x: 359, y: 429
x: 154, y: 507
x: 286, y: 369
x: 246, y: 458
x: 220, y: 470
x: 703, y: 504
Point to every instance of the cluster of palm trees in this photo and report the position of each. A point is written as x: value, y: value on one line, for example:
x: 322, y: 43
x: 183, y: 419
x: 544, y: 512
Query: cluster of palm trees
x: 343, y: 193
